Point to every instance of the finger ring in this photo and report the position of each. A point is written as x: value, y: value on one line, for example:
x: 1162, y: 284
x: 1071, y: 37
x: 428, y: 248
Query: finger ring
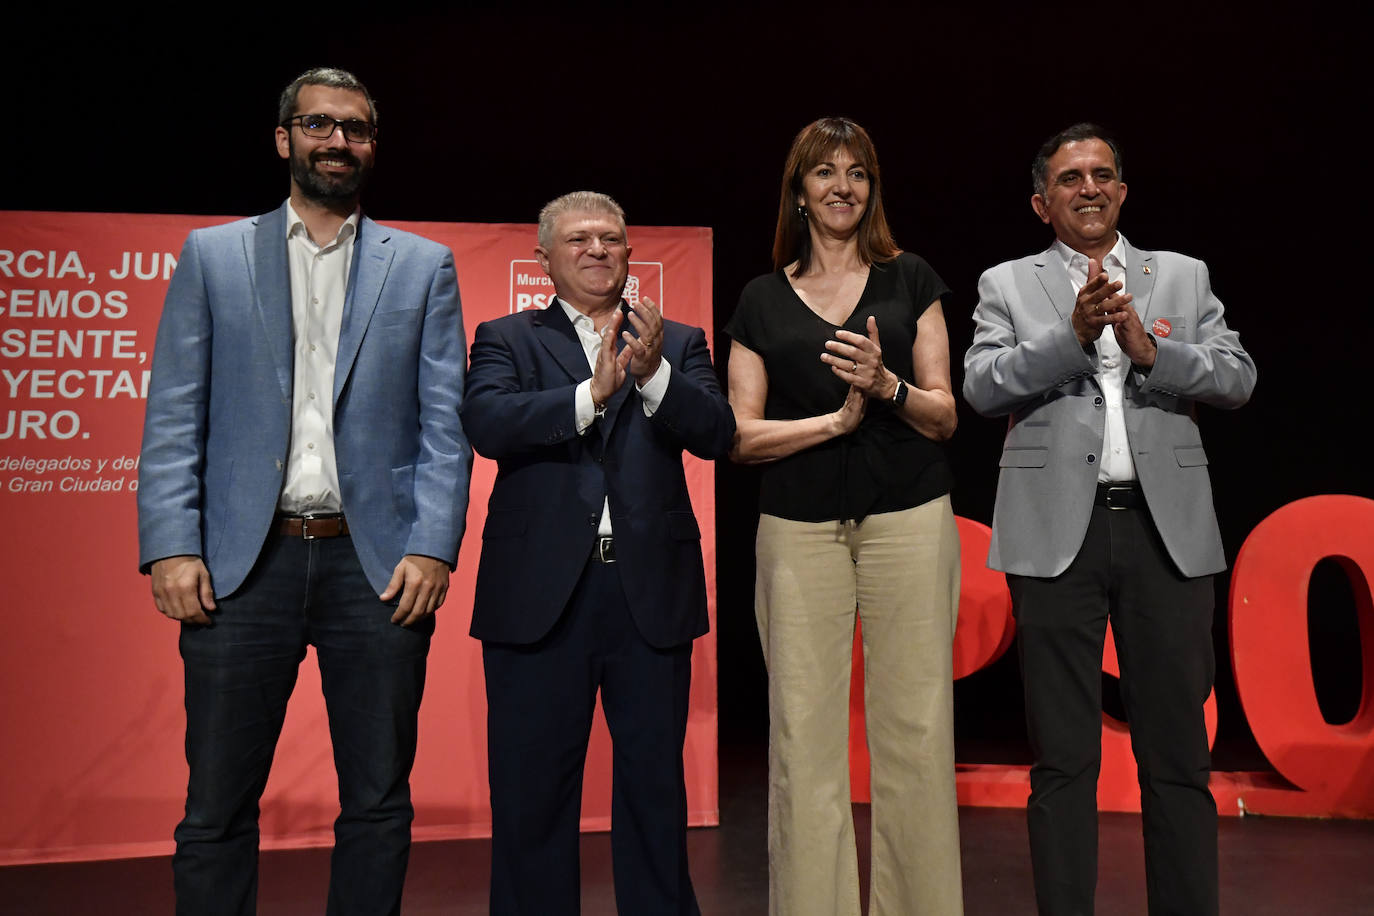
x: 856, y: 365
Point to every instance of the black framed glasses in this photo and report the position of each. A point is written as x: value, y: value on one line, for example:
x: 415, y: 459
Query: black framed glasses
x: 321, y: 127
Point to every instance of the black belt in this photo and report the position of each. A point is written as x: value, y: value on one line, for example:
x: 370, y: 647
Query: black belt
x: 604, y: 549
x: 1123, y: 495
x: 310, y: 527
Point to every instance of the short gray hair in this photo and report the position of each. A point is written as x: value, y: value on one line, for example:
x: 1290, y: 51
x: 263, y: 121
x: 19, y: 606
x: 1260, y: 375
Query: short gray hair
x: 1040, y: 165
x: 330, y: 77
x: 590, y: 201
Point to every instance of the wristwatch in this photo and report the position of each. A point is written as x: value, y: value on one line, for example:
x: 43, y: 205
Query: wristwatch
x: 899, y: 396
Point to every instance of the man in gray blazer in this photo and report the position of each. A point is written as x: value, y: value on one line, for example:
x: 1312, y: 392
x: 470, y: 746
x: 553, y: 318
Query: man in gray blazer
x: 1098, y: 353
x: 304, y: 481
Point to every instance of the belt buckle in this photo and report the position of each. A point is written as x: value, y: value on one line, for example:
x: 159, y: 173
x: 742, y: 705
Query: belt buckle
x: 305, y: 526
x: 1111, y: 502
x: 605, y: 548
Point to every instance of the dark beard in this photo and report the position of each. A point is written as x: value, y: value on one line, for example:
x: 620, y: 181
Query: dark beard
x: 327, y: 189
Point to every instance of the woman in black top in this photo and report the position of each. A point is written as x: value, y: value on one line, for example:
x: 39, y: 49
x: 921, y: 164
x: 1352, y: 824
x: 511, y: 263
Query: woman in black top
x: 839, y: 379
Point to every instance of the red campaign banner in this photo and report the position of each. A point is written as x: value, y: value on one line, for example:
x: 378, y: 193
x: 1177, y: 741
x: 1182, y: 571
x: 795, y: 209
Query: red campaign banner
x: 90, y: 677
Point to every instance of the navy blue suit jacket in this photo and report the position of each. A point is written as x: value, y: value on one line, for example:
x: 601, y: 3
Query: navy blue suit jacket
x: 546, y: 503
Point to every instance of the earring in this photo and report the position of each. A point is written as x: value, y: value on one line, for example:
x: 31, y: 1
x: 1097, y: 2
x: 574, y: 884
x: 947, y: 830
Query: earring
x: 801, y: 213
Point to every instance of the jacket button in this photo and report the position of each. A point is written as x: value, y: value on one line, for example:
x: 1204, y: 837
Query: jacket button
x: 1092, y: 459
x: 1097, y: 401
x: 592, y: 519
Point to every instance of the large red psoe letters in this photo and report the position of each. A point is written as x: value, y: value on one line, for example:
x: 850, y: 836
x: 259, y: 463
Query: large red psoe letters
x: 1330, y: 766
x: 1326, y: 770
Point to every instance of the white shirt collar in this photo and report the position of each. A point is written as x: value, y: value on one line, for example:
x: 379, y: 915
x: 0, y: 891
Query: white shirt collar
x: 577, y: 318
x: 1072, y: 259
x: 296, y: 225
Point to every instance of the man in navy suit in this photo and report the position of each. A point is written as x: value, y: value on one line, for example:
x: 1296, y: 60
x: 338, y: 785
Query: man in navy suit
x: 304, y: 481
x: 591, y: 573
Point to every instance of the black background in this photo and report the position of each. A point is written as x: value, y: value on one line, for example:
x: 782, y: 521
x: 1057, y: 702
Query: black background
x: 1239, y: 131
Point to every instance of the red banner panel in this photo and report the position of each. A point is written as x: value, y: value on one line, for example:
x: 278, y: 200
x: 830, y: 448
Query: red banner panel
x: 89, y: 671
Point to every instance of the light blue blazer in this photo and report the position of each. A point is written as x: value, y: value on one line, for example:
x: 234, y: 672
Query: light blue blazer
x: 218, y: 421
x: 1026, y: 363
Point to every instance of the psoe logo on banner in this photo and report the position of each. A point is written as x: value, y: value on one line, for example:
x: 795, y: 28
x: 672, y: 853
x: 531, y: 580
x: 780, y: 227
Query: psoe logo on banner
x: 531, y: 288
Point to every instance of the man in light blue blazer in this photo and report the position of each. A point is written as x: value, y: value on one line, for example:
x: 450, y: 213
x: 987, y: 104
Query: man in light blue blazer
x: 1099, y: 353
x: 304, y: 481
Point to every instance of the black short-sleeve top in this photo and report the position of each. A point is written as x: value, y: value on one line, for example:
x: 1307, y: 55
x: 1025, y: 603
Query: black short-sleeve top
x: 884, y: 465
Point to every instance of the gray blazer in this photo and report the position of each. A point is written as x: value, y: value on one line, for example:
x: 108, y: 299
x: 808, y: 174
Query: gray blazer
x: 218, y: 422
x: 1025, y: 362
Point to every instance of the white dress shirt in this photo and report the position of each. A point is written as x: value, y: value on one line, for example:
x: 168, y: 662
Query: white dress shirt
x: 319, y: 286
x: 650, y: 393
x: 1116, y: 465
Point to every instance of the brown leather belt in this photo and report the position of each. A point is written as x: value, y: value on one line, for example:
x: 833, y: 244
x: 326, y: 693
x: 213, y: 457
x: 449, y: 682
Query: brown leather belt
x: 310, y: 527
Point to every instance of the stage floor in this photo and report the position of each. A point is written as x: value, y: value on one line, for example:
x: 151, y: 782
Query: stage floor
x: 1268, y: 866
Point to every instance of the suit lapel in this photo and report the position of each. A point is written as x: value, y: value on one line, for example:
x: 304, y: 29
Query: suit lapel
x: 1054, y: 280
x: 372, y: 258
x: 270, y: 279
x: 556, y: 334
x: 1140, y: 280
x: 618, y: 399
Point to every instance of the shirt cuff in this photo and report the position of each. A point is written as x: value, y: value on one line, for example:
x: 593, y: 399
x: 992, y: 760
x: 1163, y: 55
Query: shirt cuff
x: 584, y: 411
x: 651, y: 392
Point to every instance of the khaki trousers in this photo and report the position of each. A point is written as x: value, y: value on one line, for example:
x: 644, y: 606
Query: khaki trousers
x: 900, y: 570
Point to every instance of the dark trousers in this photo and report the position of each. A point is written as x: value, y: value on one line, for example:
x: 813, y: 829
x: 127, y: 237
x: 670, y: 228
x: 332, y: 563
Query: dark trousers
x: 540, y: 700
x: 239, y: 674
x: 1162, y: 622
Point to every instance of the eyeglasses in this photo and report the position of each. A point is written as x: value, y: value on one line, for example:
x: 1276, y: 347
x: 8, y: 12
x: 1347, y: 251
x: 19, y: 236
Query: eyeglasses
x: 321, y: 127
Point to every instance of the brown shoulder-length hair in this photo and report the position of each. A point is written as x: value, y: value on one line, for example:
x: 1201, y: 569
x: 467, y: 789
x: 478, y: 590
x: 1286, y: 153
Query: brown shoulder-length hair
x: 816, y: 142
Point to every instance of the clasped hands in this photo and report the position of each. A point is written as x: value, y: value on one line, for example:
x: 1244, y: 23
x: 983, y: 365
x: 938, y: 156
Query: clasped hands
x: 640, y: 356
x: 1101, y: 303
x: 858, y: 360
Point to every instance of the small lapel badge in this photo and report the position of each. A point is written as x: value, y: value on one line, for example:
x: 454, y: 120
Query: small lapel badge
x: 1161, y: 327
x: 1146, y: 268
